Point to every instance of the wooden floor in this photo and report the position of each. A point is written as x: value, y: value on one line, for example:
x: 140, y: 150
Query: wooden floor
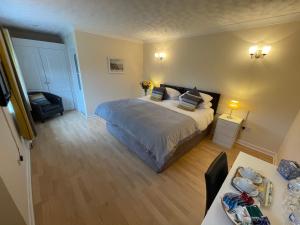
x: 81, y: 175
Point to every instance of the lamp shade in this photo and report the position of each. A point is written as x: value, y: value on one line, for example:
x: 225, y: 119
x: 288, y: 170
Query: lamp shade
x: 234, y: 104
x: 266, y: 49
x: 252, y: 50
x: 160, y: 55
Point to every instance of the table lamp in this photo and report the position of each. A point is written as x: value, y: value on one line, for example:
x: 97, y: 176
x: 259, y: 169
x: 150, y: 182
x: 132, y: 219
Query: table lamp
x: 233, y: 104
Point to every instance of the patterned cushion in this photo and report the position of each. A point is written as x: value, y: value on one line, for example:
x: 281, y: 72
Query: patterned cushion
x: 158, y: 93
x: 195, y: 92
x: 39, y: 99
x: 189, y: 102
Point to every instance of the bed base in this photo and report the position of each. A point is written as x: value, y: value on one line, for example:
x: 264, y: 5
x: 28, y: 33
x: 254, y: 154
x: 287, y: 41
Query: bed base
x: 134, y: 146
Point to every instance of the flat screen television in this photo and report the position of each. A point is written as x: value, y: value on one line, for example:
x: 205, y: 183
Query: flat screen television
x: 4, y: 89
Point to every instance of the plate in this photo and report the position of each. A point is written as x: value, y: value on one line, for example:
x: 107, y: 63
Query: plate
x: 231, y: 216
x: 241, y: 209
x: 233, y: 203
x: 251, y: 174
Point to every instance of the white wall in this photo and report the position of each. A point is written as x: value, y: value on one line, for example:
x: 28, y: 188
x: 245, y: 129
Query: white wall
x: 290, y: 148
x: 98, y: 84
x: 268, y: 88
x: 16, y: 176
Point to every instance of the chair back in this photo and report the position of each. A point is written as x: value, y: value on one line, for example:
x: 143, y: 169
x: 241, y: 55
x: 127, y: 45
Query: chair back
x: 214, y: 178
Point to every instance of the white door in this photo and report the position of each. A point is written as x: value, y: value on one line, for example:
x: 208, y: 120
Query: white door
x: 34, y: 76
x: 57, y: 74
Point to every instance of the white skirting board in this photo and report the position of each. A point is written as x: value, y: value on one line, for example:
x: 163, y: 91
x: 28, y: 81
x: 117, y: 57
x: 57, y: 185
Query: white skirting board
x: 259, y: 149
x: 275, y: 159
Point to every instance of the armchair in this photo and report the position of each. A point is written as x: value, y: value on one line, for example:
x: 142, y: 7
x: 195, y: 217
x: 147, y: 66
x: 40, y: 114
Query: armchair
x: 42, y: 110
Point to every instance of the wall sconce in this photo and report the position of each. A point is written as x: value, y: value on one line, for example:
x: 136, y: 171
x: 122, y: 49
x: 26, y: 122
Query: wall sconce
x: 160, y: 55
x: 258, y: 53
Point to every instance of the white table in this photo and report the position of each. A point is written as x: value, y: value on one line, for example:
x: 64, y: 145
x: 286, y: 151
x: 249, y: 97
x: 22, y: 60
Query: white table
x: 216, y: 214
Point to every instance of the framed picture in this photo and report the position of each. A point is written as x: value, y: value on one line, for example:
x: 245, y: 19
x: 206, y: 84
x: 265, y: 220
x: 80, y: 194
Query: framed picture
x: 115, y: 65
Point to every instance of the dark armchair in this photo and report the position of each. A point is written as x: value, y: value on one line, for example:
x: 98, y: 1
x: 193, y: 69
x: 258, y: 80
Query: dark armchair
x: 46, y: 108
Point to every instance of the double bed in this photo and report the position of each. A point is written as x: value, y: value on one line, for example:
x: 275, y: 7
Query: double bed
x: 157, y: 132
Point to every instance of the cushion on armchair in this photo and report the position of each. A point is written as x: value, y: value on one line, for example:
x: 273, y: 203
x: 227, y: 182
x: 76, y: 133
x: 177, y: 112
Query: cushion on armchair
x: 39, y: 99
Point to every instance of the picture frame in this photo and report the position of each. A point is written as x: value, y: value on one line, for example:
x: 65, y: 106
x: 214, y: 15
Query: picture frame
x: 115, y: 65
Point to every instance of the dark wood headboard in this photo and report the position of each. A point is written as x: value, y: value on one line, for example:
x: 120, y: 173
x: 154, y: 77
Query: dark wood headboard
x: 214, y: 101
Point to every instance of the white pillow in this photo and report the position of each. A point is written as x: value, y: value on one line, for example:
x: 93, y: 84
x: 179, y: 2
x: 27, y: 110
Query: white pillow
x: 206, y: 98
x: 205, y: 105
x: 172, y: 93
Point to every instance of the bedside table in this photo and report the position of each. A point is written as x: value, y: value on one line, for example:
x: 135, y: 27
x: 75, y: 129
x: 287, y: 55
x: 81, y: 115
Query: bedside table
x: 227, y: 130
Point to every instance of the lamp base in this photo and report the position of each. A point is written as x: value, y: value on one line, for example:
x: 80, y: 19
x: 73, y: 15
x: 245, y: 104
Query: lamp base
x: 229, y: 116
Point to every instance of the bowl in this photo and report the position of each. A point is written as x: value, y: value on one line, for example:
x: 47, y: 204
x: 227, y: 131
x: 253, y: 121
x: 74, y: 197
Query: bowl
x: 294, y: 186
x: 251, y: 174
x: 246, y: 185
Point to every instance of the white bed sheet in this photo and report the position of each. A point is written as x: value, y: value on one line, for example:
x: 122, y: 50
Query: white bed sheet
x: 202, y: 117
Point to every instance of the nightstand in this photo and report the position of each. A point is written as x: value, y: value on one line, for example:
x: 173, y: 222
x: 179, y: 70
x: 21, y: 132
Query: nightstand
x: 227, y: 130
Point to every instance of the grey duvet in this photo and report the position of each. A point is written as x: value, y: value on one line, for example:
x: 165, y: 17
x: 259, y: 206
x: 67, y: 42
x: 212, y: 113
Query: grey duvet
x: 159, y: 129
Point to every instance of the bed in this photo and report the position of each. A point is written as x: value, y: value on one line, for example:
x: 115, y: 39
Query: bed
x: 157, y: 132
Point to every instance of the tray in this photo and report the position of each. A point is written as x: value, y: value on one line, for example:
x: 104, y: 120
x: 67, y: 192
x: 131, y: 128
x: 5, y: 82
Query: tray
x: 265, y: 189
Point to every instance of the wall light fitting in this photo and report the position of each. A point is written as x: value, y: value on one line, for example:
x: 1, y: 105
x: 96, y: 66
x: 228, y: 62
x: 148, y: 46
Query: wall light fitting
x: 257, y: 53
x: 160, y: 55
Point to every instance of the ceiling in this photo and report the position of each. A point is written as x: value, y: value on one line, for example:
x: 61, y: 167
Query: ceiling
x: 146, y: 20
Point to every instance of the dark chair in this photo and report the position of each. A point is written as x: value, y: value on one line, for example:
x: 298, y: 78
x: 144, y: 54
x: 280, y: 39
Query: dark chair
x: 42, y: 110
x: 214, y: 178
